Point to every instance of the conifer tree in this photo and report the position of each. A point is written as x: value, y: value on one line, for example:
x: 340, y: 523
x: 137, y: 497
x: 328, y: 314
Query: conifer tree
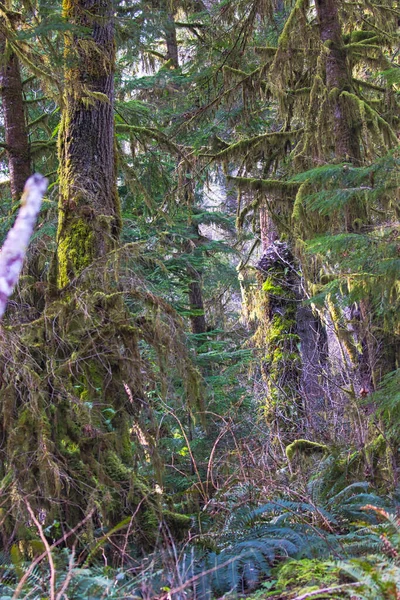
x: 89, y: 222
x: 322, y: 79
x: 16, y: 136
x: 81, y: 388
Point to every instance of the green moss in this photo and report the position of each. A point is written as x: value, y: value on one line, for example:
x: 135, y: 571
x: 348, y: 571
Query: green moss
x: 286, y: 34
x: 271, y: 288
x: 60, y: 407
x: 177, y: 523
x: 274, y: 187
x: 75, y: 250
x: 259, y: 143
x: 277, y: 334
x: 305, y: 447
x: 115, y: 468
x: 378, y: 458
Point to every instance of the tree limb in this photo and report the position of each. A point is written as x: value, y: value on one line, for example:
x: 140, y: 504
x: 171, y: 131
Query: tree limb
x: 16, y: 243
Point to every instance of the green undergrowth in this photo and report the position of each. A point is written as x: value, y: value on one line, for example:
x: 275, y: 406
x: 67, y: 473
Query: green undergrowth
x: 76, y: 433
x: 347, y: 547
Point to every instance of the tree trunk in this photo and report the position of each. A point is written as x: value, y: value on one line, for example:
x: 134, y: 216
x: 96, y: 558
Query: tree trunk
x: 89, y: 221
x: 16, y: 136
x: 171, y: 41
x: 268, y: 231
x: 347, y: 143
x: 198, y: 321
x: 347, y: 146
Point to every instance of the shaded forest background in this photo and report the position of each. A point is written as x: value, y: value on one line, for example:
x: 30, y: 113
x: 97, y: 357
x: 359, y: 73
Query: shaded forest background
x: 199, y: 369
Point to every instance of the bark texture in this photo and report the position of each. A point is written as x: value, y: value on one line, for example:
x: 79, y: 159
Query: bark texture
x: 89, y: 221
x: 16, y: 136
x: 347, y: 142
x: 338, y: 78
x: 197, y: 321
x: 171, y: 41
x: 281, y: 366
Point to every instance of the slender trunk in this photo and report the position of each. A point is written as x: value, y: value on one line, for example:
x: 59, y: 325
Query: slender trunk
x: 268, y: 230
x: 197, y: 320
x: 171, y: 41
x: 16, y: 136
x: 347, y: 141
x: 89, y: 221
x: 347, y: 146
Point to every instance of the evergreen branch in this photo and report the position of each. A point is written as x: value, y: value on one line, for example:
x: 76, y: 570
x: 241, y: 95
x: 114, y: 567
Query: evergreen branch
x: 39, y: 120
x: 273, y: 186
x: 131, y: 178
x: 387, y: 8
x: 363, y: 45
x: 28, y: 80
x: 269, y: 50
x: 11, y: 15
x: 253, y: 143
x: 156, y: 54
x: 35, y: 100
x: 37, y: 71
x: 369, y: 85
x: 299, y: 7
x: 189, y: 25
x: 152, y: 133
x: 372, y: 113
x: 381, y: 31
x: 39, y: 146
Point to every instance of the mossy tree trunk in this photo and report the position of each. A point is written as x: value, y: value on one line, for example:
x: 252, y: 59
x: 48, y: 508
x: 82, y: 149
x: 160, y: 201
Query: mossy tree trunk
x: 71, y: 412
x: 89, y: 215
x: 338, y: 79
x: 281, y: 364
x: 347, y: 140
x: 278, y: 298
x: 16, y: 135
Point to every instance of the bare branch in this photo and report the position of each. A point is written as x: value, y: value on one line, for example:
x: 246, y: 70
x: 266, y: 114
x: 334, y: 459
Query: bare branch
x: 14, y: 248
x: 48, y: 551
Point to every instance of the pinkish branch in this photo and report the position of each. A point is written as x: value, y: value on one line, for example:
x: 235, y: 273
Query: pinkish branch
x: 16, y: 243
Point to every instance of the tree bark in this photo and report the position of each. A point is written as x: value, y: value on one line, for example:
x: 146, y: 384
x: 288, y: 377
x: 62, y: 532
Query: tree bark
x: 89, y: 221
x: 268, y: 231
x: 198, y: 321
x: 171, y: 41
x: 16, y: 136
x: 346, y: 138
x: 347, y: 146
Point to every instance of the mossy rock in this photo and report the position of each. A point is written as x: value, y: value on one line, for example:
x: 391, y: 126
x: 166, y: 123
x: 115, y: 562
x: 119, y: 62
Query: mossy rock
x: 177, y: 523
x: 304, y: 447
